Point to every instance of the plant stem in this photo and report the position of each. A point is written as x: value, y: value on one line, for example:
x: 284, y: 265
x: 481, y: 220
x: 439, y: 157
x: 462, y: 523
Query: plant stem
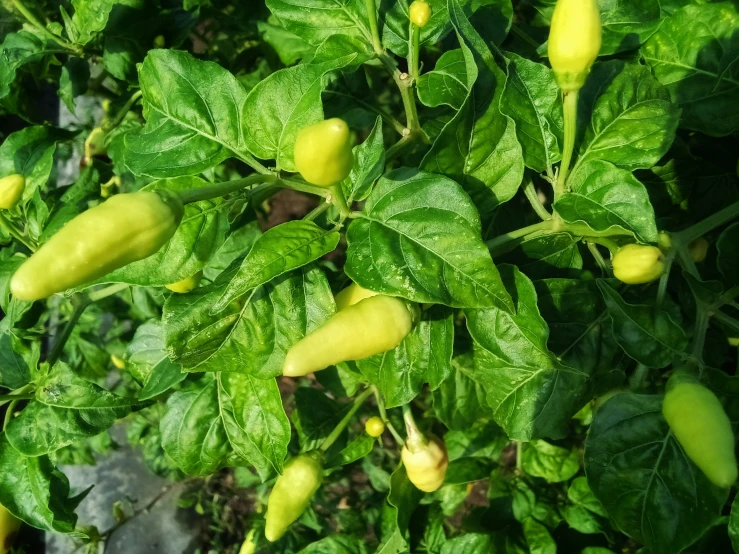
x: 413, y: 51
x: 11, y: 397
x: 372, y: 18
x: 99, y: 294
x: 33, y: 20
x: 302, y: 186
x: 639, y: 377
x: 708, y: 224
x: 15, y: 232
x: 80, y: 304
x: 519, y: 455
x: 699, y: 334
x: 383, y: 415
x: 415, y: 438
x: 113, y: 123
x: 358, y: 401
x: 662, y: 288
x: 318, y: 210
x: 222, y: 189
x: 727, y: 321
x: 570, y: 128
x: 603, y: 241
x: 338, y: 199
x: 533, y: 199
x: 602, y: 264
x: 547, y: 225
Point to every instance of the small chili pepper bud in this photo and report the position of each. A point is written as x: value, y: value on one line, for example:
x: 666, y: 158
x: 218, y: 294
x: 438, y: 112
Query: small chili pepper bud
x: 187, y: 284
x: 698, y: 249
x: 419, y: 13
x: 635, y: 264
x: 374, y: 426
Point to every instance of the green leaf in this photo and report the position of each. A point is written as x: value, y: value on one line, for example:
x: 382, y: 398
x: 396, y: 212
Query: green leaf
x: 460, y: 401
x: 633, y: 121
x: 647, y: 335
x: 532, y: 100
x: 193, y: 113
x: 478, y: 147
x: 30, y: 152
x: 336, y: 544
x: 538, y: 538
x: 583, y: 521
x: 73, y: 82
x: 289, y: 47
x: 734, y: 524
x: 580, y: 494
x: 552, y: 463
x: 609, y: 200
x: 14, y: 369
x: 252, y: 335
x: 66, y: 408
x: 641, y: 475
x: 237, y: 245
x: 626, y: 25
x: 257, y: 410
x: 147, y: 360
x: 694, y: 54
x: 357, y: 449
x: 423, y: 226
x: 543, y: 256
x: 369, y: 162
x: 200, y: 234
x: 315, y: 416
x: 281, y: 105
x: 446, y: 84
x: 424, y: 356
x: 34, y: 491
x: 403, y: 497
x: 728, y: 253
x: 316, y: 20
x: 201, y: 434
x: 90, y: 17
x: 470, y: 543
x: 532, y: 393
x: 17, y: 50
x: 278, y: 251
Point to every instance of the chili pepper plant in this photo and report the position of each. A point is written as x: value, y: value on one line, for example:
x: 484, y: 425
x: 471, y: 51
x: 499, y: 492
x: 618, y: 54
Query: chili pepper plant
x: 504, y: 234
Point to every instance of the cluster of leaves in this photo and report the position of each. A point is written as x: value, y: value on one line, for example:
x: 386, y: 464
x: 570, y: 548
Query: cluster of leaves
x: 453, y: 209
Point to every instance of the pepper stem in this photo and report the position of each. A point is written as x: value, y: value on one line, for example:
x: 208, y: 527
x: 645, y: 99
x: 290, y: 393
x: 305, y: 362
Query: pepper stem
x: 570, y: 122
x: 416, y: 439
x: 358, y: 401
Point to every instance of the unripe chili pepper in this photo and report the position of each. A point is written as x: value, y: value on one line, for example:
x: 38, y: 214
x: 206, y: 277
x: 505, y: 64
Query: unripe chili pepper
x: 323, y: 152
x: 187, y: 284
x: 702, y: 428
x: 95, y: 144
x: 698, y: 249
x: 292, y: 493
x: 11, y: 190
x: 574, y: 42
x: 374, y: 426
x: 664, y: 241
x: 635, y: 264
x: 419, y: 13
x: 120, y: 363
x: 426, y: 461
x: 351, y: 295
x: 370, y: 327
x: 248, y: 546
x: 123, y: 229
x: 9, y: 527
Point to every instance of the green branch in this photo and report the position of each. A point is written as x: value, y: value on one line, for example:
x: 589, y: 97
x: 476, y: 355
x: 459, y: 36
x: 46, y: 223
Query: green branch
x: 358, y: 401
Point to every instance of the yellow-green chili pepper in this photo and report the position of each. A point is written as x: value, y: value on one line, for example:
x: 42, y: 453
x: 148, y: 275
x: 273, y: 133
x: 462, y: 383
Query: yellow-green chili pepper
x: 635, y: 264
x: 11, y: 190
x: 123, y: 229
x: 187, y: 284
x: 371, y: 326
x: 292, y: 492
x: 323, y: 152
x: 574, y: 41
x: 426, y: 461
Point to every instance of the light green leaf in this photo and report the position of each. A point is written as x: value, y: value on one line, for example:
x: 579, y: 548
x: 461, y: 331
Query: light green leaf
x: 425, y: 244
